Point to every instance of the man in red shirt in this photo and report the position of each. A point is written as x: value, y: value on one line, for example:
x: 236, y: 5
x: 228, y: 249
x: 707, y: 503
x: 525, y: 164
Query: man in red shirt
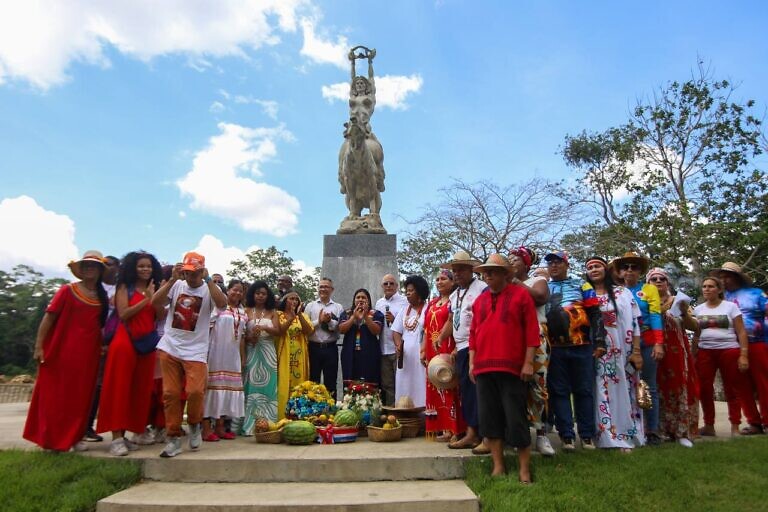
x: 502, y: 342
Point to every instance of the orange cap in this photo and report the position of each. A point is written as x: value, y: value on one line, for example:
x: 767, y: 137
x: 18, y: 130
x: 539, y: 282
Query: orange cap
x: 193, y: 261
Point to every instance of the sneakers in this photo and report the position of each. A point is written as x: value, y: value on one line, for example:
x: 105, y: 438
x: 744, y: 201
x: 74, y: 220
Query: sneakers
x: 587, y: 444
x: 568, y: 445
x: 653, y: 439
x: 195, y: 436
x: 132, y: 446
x: 543, y: 446
x: 684, y: 441
x: 160, y: 437
x: 92, y: 437
x: 172, y: 448
x: 118, y: 448
x: 146, y: 438
x: 80, y: 446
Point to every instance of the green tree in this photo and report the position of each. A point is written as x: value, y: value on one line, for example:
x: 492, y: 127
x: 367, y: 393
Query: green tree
x: 24, y: 295
x: 684, y: 168
x: 269, y: 264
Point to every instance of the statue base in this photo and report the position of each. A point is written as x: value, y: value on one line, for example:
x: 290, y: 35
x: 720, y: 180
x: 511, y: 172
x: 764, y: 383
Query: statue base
x: 367, y: 224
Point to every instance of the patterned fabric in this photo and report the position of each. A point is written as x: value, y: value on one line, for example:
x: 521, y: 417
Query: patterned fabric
x: 292, y: 361
x: 224, y: 390
x: 677, y: 381
x: 753, y: 303
x: 649, y: 302
x: 259, y: 378
x: 537, y: 387
x: 574, y: 295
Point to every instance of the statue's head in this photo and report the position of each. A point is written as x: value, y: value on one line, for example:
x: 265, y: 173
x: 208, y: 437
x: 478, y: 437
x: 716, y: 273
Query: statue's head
x: 361, y: 86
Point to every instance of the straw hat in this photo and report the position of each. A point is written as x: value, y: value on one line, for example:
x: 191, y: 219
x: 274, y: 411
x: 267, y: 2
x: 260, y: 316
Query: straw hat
x: 461, y: 258
x: 631, y: 257
x: 403, y: 404
x: 494, y: 261
x: 733, y: 268
x: 442, y: 373
x: 93, y: 256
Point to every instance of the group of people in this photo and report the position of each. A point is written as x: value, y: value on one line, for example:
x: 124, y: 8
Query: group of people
x: 531, y: 346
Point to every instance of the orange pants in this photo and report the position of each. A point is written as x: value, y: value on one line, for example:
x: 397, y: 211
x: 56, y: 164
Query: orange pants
x: 174, y: 373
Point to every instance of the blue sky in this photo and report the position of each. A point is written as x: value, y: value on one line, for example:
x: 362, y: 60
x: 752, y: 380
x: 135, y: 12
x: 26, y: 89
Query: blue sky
x: 175, y: 125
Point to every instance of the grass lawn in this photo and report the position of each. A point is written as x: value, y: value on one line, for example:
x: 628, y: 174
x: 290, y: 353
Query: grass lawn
x: 716, y: 476
x: 64, y: 482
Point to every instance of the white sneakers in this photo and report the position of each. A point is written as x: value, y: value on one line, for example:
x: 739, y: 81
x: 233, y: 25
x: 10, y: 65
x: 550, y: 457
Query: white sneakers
x: 587, y: 444
x: 172, y: 448
x: 543, y: 446
x: 195, y: 436
x: 118, y: 447
x: 684, y: 441
x: 80, y: 446
x: 146, y: 438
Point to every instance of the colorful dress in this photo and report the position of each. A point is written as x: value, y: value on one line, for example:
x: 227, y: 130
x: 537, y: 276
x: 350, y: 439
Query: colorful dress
x: 443, y: 410
x: 677, y: 379
x: 224, y: 393
x: 260, y: 378
x: 538, y: 396
x: 63, y: 392
x: 292, y: 361
x: 619, y: 420
x: 361, y: 352
x: 126, y: 394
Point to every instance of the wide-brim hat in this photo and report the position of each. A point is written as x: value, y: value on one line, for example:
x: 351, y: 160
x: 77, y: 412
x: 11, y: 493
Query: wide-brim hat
x: 494, y: 261
x: 442, y: 373
x: 733, y: 268
x: 631, y: 257
x: 403, y: 404
x: 92, y: 255
x: 461, y: 258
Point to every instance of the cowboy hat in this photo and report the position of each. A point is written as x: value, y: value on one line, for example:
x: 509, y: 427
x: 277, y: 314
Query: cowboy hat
x: 93, y: 256
x: 494, y: 261
x: 460, y: 258
x: 631, y: 257
x: 441, y: 372
x: 733, y: 268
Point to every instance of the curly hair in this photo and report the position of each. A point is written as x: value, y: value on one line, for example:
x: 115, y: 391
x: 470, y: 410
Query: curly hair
x: 250, y: 302
x: 127, y: 276
x: 419, y: 284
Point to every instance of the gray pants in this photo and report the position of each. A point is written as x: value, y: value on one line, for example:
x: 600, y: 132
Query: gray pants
x: 388, y: 368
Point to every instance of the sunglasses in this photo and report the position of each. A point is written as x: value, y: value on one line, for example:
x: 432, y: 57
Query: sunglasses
x: 388, y: 283
x: 658, y: 279
x: 630, y: 266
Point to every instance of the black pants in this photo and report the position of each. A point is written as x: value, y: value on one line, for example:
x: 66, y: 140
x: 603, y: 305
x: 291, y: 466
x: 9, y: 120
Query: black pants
x: 324, y: 359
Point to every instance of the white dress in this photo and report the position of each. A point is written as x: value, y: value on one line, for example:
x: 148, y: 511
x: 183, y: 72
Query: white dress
x: 224, y: 395
x: 619, y: 420
x: 411, y: 379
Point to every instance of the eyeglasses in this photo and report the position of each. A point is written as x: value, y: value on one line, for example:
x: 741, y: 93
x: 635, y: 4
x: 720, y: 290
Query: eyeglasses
x: 388, y: 283
x: 555, y: 262
x: 658, y: 279
x: 630, y: 266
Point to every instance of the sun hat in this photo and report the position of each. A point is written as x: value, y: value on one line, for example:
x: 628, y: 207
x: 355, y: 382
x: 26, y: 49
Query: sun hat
x: 441, y: 372
x: 92, y: 255
x: 494, y: 261
x: 461, y: 258
x: 631, y: 257
x: 193, y: 261
x: 403, y: 404
x: 563, y: 255
x: 733, y: 268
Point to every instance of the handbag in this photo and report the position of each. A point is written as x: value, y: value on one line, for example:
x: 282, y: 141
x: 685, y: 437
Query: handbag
x: 147, y: 343
x: 110, y: 327
x: 643, y: 395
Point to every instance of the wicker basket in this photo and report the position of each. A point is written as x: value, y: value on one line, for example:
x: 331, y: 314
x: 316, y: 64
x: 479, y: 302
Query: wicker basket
x: 381, y: 435
x: 273, y: 437
x: 411, y: 430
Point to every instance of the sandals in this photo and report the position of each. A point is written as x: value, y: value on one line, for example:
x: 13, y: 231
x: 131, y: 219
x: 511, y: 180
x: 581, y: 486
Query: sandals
x: 751, y: 430
x: 462, y: 444
x: 707, y: 431
x: 481, y: 449
x: 211, y: 438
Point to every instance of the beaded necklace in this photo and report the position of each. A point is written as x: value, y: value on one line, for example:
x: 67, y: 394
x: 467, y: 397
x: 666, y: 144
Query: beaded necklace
x: 411, y: 322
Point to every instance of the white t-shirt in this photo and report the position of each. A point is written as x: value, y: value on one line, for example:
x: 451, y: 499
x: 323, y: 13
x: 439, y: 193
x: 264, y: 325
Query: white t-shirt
x: 461, y: 307
x: 540, y: 310
x: 396, y: 304
x: 187, y: 326
x: 675, y: 308
x: 717, y: 325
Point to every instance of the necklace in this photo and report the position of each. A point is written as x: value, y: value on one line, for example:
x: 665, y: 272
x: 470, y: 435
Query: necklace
x: 236, y: 323
x: 411, y: 322
x: 459, y: 302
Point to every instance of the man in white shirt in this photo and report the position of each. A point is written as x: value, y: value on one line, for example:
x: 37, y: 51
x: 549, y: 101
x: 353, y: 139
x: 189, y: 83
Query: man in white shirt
x: 323, y: 351
x: 390, y: 305
x: 182, y: 352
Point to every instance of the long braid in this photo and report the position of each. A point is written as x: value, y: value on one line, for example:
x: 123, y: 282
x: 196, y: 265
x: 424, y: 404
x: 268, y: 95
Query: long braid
x: 104, y: 299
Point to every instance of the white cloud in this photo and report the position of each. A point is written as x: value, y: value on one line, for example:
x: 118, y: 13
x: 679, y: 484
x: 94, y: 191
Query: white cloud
x: 218, y: 183
x: 323, y: 51
x: 39, y: 40
x: 269, y: 107
x: 391, y: 90
x: 182, y: 214
x: 34, y: 236
x: 218, y: 257
x: 216, y: 107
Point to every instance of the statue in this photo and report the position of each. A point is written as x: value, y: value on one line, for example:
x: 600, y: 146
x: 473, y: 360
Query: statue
x: 361, y: 158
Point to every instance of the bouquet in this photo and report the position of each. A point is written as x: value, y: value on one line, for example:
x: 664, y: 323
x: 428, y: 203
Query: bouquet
x: 309, y: 401
x: 364, y: 399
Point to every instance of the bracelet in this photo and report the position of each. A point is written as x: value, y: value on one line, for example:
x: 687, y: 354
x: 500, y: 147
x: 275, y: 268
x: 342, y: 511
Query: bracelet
x: 207, y: 279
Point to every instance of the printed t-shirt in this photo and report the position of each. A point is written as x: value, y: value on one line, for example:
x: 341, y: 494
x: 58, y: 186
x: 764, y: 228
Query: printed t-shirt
x: 187, y: 326
x: 717, y: 325
x: 753, y: 303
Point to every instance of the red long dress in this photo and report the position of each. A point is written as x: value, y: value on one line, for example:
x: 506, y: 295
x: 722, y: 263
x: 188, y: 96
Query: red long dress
x: 443, y: 410
x: 61, y: 400
x: 126, y: 392
x: 678, y: 382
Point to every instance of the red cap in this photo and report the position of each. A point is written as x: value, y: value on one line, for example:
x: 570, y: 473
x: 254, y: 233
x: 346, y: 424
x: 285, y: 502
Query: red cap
x: 193, y: 261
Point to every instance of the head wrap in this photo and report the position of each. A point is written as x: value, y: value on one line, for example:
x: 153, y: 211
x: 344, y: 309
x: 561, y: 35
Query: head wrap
x: 524, y: 254
x: 446, y: 272
x: 656, y: 271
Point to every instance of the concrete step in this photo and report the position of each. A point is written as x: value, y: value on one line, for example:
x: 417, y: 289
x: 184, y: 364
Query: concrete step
x: 424, y: 496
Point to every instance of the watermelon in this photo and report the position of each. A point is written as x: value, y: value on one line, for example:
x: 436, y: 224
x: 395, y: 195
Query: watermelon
x: 345, y: 418
x: 299, y: 432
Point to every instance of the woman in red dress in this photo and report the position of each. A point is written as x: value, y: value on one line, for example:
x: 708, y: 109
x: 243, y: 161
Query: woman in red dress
x: 126, y: 391
x: 443, y: 410
x: 67, y: 349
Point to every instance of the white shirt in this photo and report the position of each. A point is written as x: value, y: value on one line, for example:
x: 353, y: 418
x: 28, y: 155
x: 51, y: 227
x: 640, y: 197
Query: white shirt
x: 396, y: 303
x: 313, y: 311
x: 187, y: 326
x: 716, y: 325
x: 461, y: 308
x: 540, y: 310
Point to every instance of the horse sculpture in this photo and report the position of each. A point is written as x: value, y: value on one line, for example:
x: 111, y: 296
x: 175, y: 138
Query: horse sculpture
x: 361, y: 176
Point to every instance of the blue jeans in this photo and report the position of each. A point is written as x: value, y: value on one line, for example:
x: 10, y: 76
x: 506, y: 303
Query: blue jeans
x: 649, y: 376
x: 572, y: 372
x: 467, y: 389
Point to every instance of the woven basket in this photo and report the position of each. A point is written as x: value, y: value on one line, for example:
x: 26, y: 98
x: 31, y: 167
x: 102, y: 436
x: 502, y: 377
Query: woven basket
x: 410, y: 430
x: 379, y: 435
x: 273, y: 437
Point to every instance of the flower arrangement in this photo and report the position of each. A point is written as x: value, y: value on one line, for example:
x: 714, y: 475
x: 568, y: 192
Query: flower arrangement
x: 362, y: 398
x: 308, y: 401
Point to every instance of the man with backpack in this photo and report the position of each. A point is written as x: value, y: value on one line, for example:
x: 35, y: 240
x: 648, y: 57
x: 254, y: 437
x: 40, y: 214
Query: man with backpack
x: 577, y: 337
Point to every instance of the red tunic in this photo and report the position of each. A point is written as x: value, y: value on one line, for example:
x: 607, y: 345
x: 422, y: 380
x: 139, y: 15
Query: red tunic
x: 443, y: 411
x: 126, y: 392
x: 504, y: 325
x: 63, y: 392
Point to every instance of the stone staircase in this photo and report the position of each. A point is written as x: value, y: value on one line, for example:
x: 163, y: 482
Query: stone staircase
x: 241, y: 475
